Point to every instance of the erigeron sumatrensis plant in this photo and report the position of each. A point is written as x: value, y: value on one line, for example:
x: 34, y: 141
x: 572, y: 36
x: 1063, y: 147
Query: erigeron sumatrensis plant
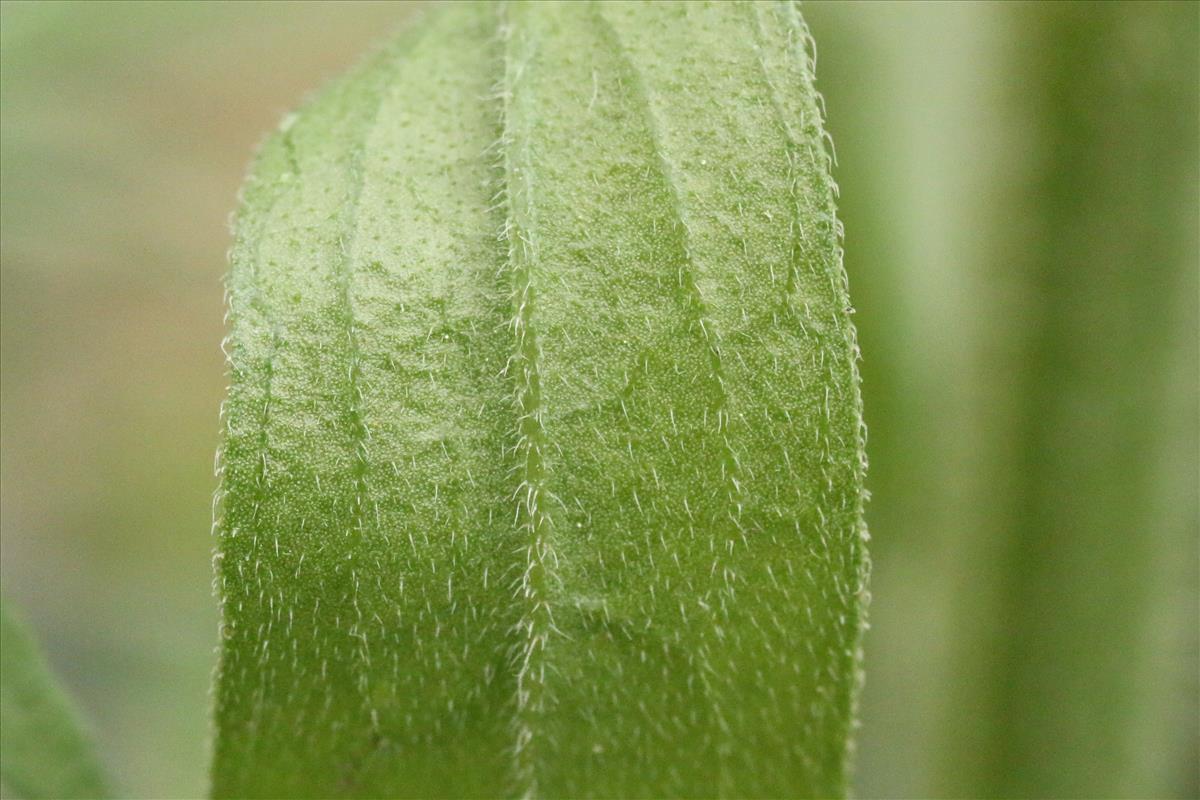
x: 543, y: 462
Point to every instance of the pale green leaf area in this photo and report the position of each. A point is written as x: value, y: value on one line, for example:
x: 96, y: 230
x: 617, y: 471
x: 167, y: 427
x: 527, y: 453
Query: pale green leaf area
x: 543, y: 463
x: 46, y: 753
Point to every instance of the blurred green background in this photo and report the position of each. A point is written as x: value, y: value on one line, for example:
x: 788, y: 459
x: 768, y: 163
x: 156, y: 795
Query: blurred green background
x: 1020, y: 195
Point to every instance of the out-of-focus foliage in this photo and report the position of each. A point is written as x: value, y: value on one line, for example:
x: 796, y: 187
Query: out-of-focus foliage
x: 1019, y: 189
x: 1019, y: 193
x: 46, y: 753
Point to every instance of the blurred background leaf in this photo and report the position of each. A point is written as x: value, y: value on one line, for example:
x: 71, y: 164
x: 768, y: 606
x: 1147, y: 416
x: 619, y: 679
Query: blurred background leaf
x: 46, y: 751
x: 1019, y: 189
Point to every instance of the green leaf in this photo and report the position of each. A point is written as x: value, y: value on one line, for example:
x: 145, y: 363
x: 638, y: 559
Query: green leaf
x: 543, y: 468
x: 45, y: 753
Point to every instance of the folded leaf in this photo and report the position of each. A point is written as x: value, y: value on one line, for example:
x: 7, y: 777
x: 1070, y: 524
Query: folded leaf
x: 543, y: 469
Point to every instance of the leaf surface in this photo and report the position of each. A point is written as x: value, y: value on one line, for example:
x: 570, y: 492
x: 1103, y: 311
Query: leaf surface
x: 543, y: 469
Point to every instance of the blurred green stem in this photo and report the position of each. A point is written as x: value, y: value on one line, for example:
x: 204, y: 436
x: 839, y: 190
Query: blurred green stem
x: 1019, y: 187
x: 1091, y: 660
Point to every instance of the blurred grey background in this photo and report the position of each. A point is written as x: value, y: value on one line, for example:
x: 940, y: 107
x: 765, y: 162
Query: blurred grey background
x: 1019, y: 190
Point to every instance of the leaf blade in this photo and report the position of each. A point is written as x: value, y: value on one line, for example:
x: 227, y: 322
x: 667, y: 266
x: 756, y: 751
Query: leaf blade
x: 500, y: 517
